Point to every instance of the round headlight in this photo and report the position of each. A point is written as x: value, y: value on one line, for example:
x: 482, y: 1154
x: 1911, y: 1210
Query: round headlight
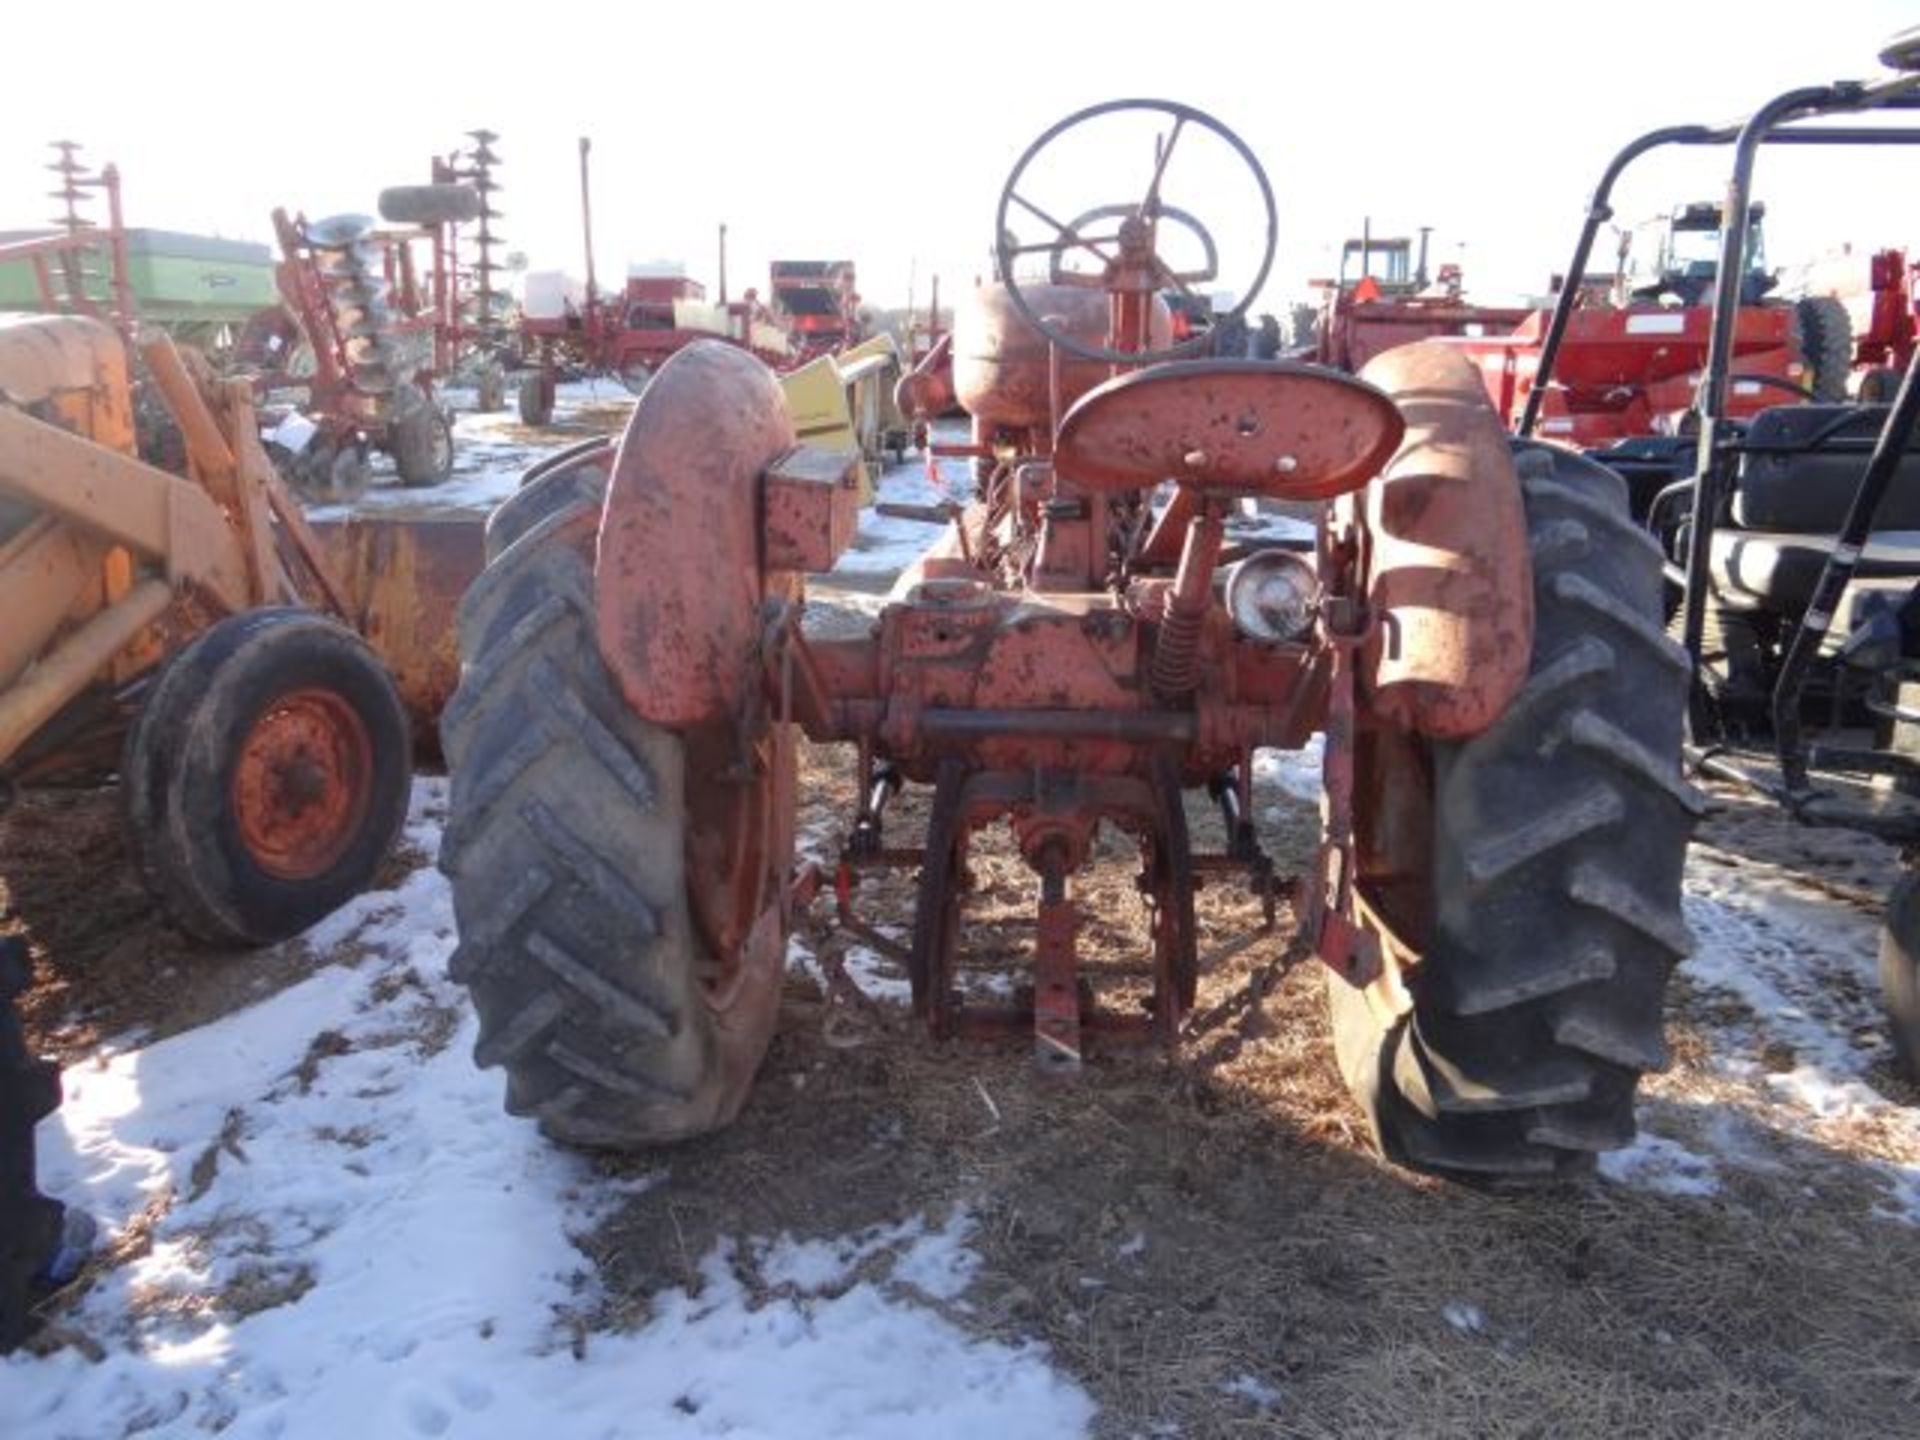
x: 1271, y: 596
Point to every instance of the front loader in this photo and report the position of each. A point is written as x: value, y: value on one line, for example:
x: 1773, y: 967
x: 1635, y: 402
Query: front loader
x: 183, y: 629
x: 1475, y: 628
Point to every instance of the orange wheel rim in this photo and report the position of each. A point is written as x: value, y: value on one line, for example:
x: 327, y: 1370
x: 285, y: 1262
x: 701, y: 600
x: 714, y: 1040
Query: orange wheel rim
x: 303, y: 784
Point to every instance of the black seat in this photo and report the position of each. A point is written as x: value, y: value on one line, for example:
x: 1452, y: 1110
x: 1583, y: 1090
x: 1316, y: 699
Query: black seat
x: 1803, y: 463
x: 1796, y: 482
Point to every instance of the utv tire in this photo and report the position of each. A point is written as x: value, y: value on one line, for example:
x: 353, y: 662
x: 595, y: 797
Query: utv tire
x: 30, y: 1223
x: 1826, y: 344
x: 1551, y: 914
x: 570, y: 847
x: 266, y: 777
x: 1900, y: 973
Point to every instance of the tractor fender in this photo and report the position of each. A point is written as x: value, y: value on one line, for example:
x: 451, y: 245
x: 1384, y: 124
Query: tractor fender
x: 1449, y: 581
x: 677, y: 577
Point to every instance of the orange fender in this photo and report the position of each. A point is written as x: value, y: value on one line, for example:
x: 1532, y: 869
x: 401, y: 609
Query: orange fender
x: 677, y: 578
x: 1450, y: 580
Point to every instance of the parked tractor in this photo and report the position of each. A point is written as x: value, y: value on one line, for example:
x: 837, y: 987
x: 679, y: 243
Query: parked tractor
x: 1381, y: 298
x: 1787, y: 535
x: 1476, y: 630
x: 185, y: 631
x: 1631, y: 355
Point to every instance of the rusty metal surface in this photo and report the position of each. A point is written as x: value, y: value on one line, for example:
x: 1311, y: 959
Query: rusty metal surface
x: 812, y: 508
x: 302, y: 783
x: 1450, y: 581
x: 1229, y: 427
x: 401, y: 579
x: 677, y: 579
x: 1000, y: 362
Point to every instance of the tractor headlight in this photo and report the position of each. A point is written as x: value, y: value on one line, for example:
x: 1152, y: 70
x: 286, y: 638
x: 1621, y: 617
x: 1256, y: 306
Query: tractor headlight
x: 1271, y: 596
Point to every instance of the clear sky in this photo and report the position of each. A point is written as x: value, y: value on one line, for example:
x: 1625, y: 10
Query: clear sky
x: 882, y: 132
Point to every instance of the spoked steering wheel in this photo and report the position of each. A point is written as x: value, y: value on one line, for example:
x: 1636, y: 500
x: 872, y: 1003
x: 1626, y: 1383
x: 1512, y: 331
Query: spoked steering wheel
x: 1128, y: 251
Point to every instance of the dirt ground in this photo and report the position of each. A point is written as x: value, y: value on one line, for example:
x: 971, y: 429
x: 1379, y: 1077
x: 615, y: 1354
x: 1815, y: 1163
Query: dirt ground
x: 1202, y: 1240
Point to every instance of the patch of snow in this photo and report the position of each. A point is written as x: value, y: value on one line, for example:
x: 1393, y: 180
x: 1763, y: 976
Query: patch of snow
x: 878, y: 977
x: 349, y: 1236
x: 1803, y: 967
x: 1465, y: 1318
x: 1294, y: 772
x: 1656, y: 1163
x: 1255, y: 1391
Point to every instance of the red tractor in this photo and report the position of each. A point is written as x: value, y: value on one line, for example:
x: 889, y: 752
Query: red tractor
x: 1476, y: 630
x: 1385, y: 301
x: 1631, y: 358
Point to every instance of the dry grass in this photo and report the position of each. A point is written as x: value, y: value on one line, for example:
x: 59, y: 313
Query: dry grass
x: 1276, y: 1246
x: 1169, y: 1225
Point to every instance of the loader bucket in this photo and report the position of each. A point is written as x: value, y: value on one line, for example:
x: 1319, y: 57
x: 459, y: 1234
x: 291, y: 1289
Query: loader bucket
x: 401, y: 576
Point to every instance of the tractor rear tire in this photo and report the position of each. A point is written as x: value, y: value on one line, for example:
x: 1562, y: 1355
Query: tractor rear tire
x: 570, y: 847
x: 1826, y: 344
x: 1549, y: 918
x: 559, y: 484
x: 266, y: 777
x: 1900, y: 972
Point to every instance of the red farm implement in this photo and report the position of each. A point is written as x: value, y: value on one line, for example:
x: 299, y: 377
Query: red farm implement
x: 631, y: 333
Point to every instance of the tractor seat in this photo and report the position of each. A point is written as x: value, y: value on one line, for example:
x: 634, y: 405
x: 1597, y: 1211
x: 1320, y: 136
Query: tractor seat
x: 1776, y: 570
x: 1269, y: 428
x: 1785, y: 485
x: 1797, y: 477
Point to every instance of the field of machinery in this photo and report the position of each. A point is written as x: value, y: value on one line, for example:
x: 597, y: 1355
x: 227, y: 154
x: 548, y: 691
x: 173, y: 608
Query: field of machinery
x: 176, y: 621
x: 1476, y: 627
x: 632, y: 333
x: 373, y: 318
x: 199, y: 288
x: 1788, y: 532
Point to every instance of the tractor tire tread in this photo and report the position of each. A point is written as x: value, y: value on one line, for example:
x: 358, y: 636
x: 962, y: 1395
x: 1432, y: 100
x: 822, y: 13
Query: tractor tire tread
x: 566, y: 849
x: 1560, y: 835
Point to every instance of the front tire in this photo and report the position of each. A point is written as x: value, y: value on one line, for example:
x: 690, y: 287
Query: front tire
x: 1547, y: 909
x: 266, y: 777
x: 628, y: 1003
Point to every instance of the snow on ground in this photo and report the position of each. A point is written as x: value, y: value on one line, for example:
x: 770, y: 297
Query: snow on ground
x: 1801, y: 968
x: 490, y: 451
x: 1653, y: 1162
x: 886, y: 544
x: 1296, y: 773
x: 349, y: 1236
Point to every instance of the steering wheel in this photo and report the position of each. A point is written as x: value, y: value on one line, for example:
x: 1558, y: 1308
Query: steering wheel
x: 1074, y: 237
x: 1133, y: 245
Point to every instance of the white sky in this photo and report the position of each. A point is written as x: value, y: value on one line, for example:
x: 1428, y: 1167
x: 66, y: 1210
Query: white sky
x: 882, y: 132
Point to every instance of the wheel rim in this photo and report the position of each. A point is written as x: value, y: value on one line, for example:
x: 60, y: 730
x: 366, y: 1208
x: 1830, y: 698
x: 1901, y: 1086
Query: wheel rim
x: 303, y: 784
